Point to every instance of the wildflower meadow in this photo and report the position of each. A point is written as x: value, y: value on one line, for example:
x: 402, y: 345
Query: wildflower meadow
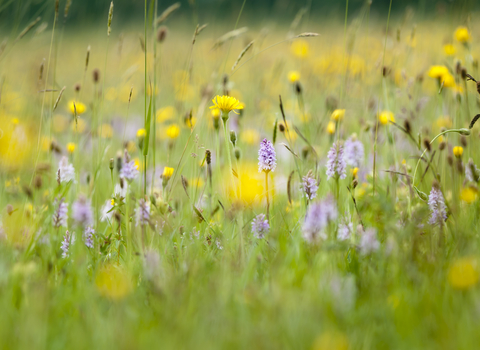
x: 211, y: 174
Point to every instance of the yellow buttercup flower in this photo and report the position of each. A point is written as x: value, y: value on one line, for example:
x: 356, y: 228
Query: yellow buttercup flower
x: 141, y: 133
x: 469, y: 195
x: 442, y: 74
x: 226, y: 104
x: 462, y: 34
x: 458, y: 151
x: 70, y: 147
x: 79, y: 106
x: 173, y: 131
x: 338, y: 114
x: 293, y: 76
x: 385, y: 117
x: 331, y: 127
x: 449, y: 49
x: 463, y: 273
x: 167, y: 172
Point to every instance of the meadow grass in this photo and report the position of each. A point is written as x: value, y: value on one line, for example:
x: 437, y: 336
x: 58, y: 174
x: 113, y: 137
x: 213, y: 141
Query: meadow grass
x: 337, y: 209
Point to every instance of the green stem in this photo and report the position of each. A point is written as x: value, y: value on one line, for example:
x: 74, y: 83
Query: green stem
x: 227, y: 146
x: 266, y: 193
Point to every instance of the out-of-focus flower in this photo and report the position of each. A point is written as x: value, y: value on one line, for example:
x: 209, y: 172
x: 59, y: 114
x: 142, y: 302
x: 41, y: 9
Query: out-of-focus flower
x: 463, y: 273
x: 469, y: 194
x: 458, y: 151
x: 141, y: 133
x: 331, y: 127
x: 309, y: 186
x: 173, y: 131
x: 82, y: 212
x: 368, y: 241
x: 318, y: 216
x: 354, y: 152
x: 88, y: 236
x: 438, y: 210
x: 267, y: 160
x: 167, y: 172
x: 226, y: 104
x: 129, y: 170
x: 260, y: 226
x: 113, y: 282
x: 300, y: 48
x: 449, y: 49
x: 344, y: 231
x: 385, y: 117
x: 443, y: 75
x: 336, y: 165
x: 293, y: 76
x: 462, y: 34
x: 68, y: 240
x: 165, y: 114
x: 70, y: 147
x: 79, y: 107
x: 142, y: 213
x: 107, y: 212
x: 337, y: 114
x: 66, y: 170
x: 60, y: 215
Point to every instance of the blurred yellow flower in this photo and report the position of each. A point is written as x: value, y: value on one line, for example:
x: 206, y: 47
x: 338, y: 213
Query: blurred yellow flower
x: 190, y: 122
x: 167, y: 172
x: 141, y: 133
x: 331, y: 340
x: 300, y: 48
x: 113, y: 282
x: 463, y: 273
x: 166, y: 113
x: 105, y: 131
x: 137, y: 163
x: 293, y: 76
x: 458, y: 151
x: 250, y: 136
x: 78, y: 106
x: 15, y: 121
x: 449, y: 49
x: 80, y: 125
x: 331, y: 127
x: 437, y: 72
x: 469, y: 194
x: 215, y: 112
x: 226, y: 104
x: 337, y: 114
x: 60, y: 123
x: 385, y: 117
x: 444, y: 122
x: 354, y: 172
x: 70, y: 147
x: 173, y: 131
x: 462, y: 34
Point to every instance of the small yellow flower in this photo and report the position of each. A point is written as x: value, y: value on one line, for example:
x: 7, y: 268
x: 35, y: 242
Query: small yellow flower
x: 141, y: 133
x: 70, y: 147
x: 226, y: 104
x: 215, y: 112
x: 354, y: 172
x: 167, y: 172
x: 173, y: 131
x: 437, y: 72
x: 137, y: 163
x: 449, y: 49
x: 462, y: 34
x: 469, y: 194
x: 293, y: 76
x: 79, y: 106
x: 385, y: 117
x: 338, y: 114
x: 112, y: 202
x: 15, y: 121
x: 331, y: 127
x: 463, y: 273
x: 458, y: 151
x: 300, y: 48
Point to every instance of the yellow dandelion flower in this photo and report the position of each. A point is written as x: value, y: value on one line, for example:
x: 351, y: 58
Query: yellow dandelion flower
x: 173, y: 131
x: 458, y: 151
x: 469, y: 194
x: 337, y: 114
x: 449, y: 49
x: 385, y: 117
x: 226, y: 104
x: 141, y: 133
x: 462, y: 34
x: 437, y: 72
x: 293, y: 76
x: 113, y: 282
x: 463, y: 273
x: 166, y: 113
x: 78, y: 106
x: 331, y: 127
x: 70, y: 147
x: 167, y: 172
x: 354, y: 172
x: 300, y: 48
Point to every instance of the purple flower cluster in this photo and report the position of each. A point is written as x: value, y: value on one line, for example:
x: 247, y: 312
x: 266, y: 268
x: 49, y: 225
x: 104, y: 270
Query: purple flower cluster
x: 68, y: 240
x: 267, y: 160
x: 129, y: 171
x: 318, y: 216
x: 336, y: 164
x: 60, y: 215
x: 260, y: 226
x: 142, y: 213
x: 344, y: 231
x: 88, y: 236
x: 309, y: 186
x: 82, y: 212
x: 437, y: 206
x: 354, y: 152
x: 66, y: 171
x: 368, y: 241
